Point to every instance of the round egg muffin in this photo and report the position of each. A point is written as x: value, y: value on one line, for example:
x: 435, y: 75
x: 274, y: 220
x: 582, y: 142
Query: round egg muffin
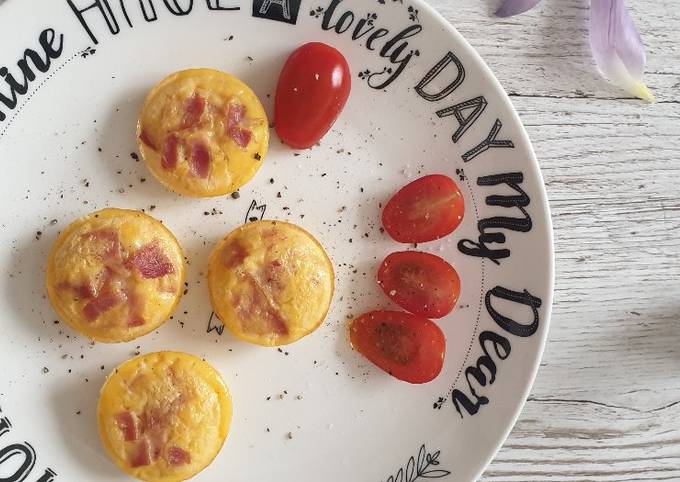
x: 271, y: 282
x: 203, y: 132
x: 163, y: 417
x: 115, y: 275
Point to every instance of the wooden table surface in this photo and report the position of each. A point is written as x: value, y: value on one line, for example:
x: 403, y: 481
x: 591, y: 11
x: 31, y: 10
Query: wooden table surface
x: 606, y: 403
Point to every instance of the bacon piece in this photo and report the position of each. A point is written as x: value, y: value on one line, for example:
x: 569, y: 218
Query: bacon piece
x: 127, y: 424
x: 194, y: 107
x: 141, y: 453
x: 106, y: 243
x: 146, y: 139
x: 106, y: 300
x: 178, y: 456
x: 199, y: 161
x: 235, y: 114
x: 170, y: 152
x: 254, y: 306
x: 151, y: 261
x: 235, y: 255
x: 240, y: 135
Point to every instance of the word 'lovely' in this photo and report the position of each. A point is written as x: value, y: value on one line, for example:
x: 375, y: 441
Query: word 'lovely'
x: 394, y: 46
x: 91, y: 11
x: 51, y: 47
x: 17, y: 460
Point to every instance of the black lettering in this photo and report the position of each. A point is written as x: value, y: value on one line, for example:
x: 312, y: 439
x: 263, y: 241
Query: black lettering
x: 217, y: 5
x: 381, y: 32
x: 5, y: 426
x: 125, y: 14
x: 357, y: 34
x: 326, y: 21
x: 523, y: 224
x: 489, y: 142
x: 346, y: 18
x: 481, y: 250
x: 104, y: 8
x: 435, y: 71
x: 18, y: 450
x: 461, y: 400
x: 176, y: 9
x: 393, y: 51
x: 502, y: 349
x: 46, y: 39
x: 466, y: 114
x: 48, y: 476
x: 149, y: 17
x: 513, y: 180
x: 15, y: 87
x: 508, y: 324
x: 498, y: 341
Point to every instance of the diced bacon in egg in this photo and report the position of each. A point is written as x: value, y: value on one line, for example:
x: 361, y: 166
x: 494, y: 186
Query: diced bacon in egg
x: 178, y: 456
x: 194, y: 107
x: 128, y: 425
x: 170, y: 152
x: 199, y: 159
x: 151, y: 261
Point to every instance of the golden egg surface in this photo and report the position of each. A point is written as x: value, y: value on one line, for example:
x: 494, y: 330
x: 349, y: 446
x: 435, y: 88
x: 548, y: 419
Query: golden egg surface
x: 163, y: 417
x: 115, y: 274
x: 271, y: 282
x: 203, y: 132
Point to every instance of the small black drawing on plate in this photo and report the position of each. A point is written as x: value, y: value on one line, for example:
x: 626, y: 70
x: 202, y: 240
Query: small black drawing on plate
x: 279, y: 10
x: 87, y: 52
x: 255, y: 212
x: 424, y: 467
x: 215, y: 324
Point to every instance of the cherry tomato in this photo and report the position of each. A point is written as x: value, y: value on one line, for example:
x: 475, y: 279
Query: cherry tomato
x: 408, y: 347
x: 429, y: 208
x: 313, y: 88
x: 421, y: 283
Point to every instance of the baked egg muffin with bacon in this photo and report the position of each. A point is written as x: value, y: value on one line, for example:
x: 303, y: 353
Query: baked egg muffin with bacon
x: 203, y: 132
x: 115, y: 274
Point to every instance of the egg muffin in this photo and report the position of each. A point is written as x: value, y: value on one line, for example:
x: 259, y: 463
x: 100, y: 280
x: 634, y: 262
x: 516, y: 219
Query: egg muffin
x: 115, y: 275
x: 271, y: 282
x: 163, y: 417
x: 203, y: 132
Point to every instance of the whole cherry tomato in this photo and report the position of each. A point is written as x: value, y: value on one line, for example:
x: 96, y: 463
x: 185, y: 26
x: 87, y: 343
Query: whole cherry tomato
x: 408, y: 347
x: 429, y: 208
x: 421, y: 283
x: 313, y: 88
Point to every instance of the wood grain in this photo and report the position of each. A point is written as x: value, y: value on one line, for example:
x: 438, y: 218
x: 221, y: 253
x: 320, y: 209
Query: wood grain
x: 606, y: 404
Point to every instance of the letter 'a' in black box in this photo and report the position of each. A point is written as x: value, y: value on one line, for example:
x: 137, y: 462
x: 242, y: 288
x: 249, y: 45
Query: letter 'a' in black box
x: 279, y: 10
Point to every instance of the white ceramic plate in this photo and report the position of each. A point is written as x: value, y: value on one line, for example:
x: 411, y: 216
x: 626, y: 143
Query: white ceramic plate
x: 67, y: 148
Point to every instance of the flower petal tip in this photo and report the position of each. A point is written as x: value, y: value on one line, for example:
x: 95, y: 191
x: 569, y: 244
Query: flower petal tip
x: 641, y: 91
x: 510, y: 8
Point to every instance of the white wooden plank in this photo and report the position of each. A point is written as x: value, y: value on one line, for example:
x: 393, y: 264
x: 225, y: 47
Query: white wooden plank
x: 606, y: 403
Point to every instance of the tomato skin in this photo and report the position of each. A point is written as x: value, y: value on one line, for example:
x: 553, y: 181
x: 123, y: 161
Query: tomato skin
x: 408, y: 347
x: 428, y: 208
x: 421, y: 283
x: 312, y: 90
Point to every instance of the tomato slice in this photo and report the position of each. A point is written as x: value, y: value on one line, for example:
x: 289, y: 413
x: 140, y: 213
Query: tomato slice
x: 429, y: 208
x: 312, y: 90
x: 408, y: 347
x: 421, y: 283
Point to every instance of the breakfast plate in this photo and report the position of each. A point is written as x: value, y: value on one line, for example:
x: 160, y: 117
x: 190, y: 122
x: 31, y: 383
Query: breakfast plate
x: 74, y: 78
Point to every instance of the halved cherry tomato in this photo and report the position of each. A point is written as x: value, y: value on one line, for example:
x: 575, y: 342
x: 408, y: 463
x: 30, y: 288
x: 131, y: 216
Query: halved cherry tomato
x: 429, y: 208
x: 313, y: 88
x: 408, y: 347
x: 421, y: 283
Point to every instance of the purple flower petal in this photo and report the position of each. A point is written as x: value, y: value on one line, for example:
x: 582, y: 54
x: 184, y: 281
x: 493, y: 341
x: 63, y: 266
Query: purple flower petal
x: 617, y: 46
x: 514, y: 7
